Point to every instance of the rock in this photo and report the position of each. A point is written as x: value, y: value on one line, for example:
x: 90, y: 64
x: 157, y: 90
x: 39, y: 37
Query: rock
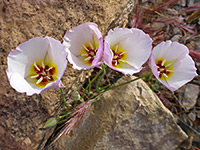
x: 192, y: 115
x: 23, y: 116
x: 198, y: 113
x: 130, y: 117
x: 191, y: 93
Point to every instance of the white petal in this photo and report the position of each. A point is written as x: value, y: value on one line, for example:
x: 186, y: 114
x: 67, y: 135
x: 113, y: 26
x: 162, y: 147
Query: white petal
x: 99, y: 53
x: 125, y: 68
x: 128, y: 69
x: 20, y: 60
x: 117, y: 35
x: 21, y: 85
x: 138, y: 46
x: 58, y: 55
x: 77, y: 62
x: 82, y: 34
x: 170, y: 50
x: 184, y: 71
x: 153, y: 66
x: 108, y: 54
x: 27, y: 53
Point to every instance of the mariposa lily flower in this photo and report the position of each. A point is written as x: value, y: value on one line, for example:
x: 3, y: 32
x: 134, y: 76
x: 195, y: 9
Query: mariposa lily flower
x: 171, y: 64
x: 36, y: 65
x: 84, y: 45
x: 126, y: 50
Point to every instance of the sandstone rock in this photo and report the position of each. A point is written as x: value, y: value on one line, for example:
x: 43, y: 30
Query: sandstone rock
x: 23, y: 116
x: 130, y: 117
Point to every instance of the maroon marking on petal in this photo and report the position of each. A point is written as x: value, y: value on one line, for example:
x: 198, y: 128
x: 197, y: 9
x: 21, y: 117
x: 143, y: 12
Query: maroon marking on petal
x: 45, y: 79
x: 51, y: 71
x: 51, y: 78
x: 46, y: 67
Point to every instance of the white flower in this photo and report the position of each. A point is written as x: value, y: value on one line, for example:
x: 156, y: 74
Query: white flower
x: 84, y: 45
x: 171, y: 64
x: 36, y: 65
x: 126, y: 50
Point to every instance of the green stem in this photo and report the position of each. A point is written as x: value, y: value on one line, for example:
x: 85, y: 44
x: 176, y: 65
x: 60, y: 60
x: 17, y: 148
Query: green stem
x: 63, y: 97
x: 100, y: 78
x: 146, y: 75
x: 97, y: 75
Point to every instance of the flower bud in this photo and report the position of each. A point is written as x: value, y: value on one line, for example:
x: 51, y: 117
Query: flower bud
x: 50, y: 122
x: 75, y: 95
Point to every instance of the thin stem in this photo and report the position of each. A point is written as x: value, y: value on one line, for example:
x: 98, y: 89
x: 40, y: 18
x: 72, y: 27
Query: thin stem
x: 90, y: 86
x: 97, y: 75
x: 146, y: 75
x: 100, y: 78
x: 63, y: 98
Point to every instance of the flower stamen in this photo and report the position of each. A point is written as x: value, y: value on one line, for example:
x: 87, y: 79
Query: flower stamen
x: 86, y: 48
x: 49, y: 69
x: 36, y: 66
x: 35, y: 76
x: 116, y: 48
x: 43, y: 66
x: 164, y: 68
x: 40, y: 80
x: 88, y: 58
x: 42, y: 72
x: 89, y: 51
x: 119, y: 55
x: 48, y: 77
x: 91, y: 46
x: 84, y: 54
x: 122, y: 53
x: 163, y: 62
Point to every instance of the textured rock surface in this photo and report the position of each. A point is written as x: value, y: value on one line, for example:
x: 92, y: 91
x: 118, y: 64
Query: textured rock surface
x: 20, y: 20
x: 130, y: 117
x: 191, y: 93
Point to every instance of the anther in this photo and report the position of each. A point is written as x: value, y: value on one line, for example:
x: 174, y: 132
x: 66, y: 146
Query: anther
x: 169, y: 70
x: 121, y: 60
x: 116, y: 48
x: 50, y: 68
x: 163, y: 62
x: 35, y: 76
x: 115, y: 63
x: 36, y: 66
x: 91, y: 46
x: 84, y: 54
x: 43, y: 66
x: 169, y: 64
x: 165, y: 75
x: 48, y: 77
x: 86, y: 48
x: 40, y: 80
x: 122, y: 53
x: 88, y: 58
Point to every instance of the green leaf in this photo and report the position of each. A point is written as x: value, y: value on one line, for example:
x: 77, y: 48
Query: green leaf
x: 50, y: 122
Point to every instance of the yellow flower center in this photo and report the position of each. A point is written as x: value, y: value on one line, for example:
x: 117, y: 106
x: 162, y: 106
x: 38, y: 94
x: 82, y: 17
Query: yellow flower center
x: 89, y: 50
x: 119, y: 55
x: 165, y: 68
x: 43, y: 72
